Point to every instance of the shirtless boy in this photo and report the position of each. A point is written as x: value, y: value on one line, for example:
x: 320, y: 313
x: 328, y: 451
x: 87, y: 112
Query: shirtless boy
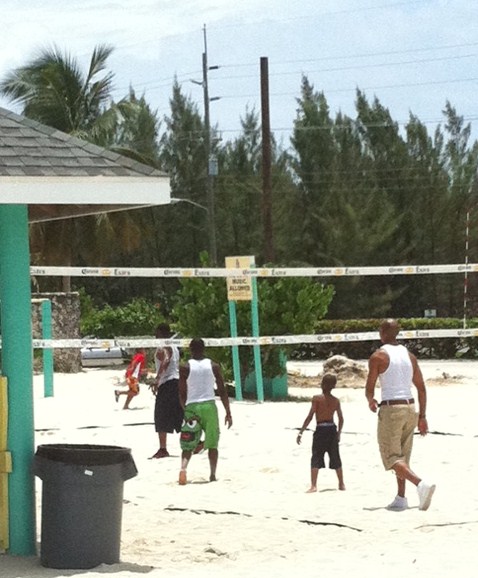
x: 326, y: 436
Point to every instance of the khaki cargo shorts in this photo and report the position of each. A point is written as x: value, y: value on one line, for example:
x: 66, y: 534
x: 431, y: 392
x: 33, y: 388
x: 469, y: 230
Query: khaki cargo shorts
x: 396, y: 425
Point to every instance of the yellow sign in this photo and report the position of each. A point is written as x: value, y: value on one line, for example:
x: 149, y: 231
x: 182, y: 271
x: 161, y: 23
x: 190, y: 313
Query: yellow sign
x: 239, y: 288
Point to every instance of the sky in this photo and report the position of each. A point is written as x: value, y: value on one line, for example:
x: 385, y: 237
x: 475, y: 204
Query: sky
x: 413, y: 55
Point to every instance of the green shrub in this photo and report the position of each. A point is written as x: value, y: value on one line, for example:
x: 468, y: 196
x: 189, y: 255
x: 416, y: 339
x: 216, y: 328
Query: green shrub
x: 139, y: 317
x: 287, y: 306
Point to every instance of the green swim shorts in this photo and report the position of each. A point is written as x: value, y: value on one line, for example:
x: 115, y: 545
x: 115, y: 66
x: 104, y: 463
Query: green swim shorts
x: 206, y: 411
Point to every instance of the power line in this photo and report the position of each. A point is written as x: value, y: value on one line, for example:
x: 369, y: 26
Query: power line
x: 166, y: 82
x: 191, y: 134
x: 363, y: 89
x: 363, y: 55
x: 361, y: 67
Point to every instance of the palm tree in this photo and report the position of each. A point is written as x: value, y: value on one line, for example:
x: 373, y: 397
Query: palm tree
x: 54, y: 91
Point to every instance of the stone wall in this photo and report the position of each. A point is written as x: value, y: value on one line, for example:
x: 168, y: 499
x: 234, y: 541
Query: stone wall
x: 65, y: 308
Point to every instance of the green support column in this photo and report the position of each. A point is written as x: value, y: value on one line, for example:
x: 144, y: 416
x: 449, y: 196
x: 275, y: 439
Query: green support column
x: 236, y: 364
x: 17, y: 366
x: 47, y: 353
x: 256, y: 348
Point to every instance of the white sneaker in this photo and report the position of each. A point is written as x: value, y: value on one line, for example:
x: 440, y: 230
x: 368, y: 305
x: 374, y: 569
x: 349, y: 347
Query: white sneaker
x: 398, y: 505
x: 425, y: 494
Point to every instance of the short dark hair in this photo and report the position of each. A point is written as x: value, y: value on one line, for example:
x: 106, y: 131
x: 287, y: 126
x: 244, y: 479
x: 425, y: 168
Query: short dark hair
x: 329, y: 380
x: 197, y: 345
x: 163, y: 330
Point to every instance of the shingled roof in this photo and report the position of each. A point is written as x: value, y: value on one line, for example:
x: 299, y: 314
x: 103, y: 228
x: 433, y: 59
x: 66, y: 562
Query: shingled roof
x: 30, y: 149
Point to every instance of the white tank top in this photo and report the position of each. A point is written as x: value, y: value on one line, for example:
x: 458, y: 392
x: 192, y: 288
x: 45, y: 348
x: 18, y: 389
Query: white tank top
x: 396, y: 381
x: 200, y: 381
x: 172, y: 371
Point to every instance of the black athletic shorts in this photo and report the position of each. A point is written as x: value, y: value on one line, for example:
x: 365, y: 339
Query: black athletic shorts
x: 326, y: 441
x: 168, y: 413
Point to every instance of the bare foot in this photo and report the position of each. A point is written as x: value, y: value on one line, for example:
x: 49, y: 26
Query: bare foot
x: 342, y: 487
x: 311, y: 490
x: 212, y: 478
x: 183, y: 478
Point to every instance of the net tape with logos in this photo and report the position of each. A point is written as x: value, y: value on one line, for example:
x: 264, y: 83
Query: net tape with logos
x: 262, y: 340
x: 260, y: 272
x: 252, y: 272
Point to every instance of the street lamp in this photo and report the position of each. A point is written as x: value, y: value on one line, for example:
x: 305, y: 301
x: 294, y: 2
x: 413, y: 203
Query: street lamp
x: 175, y: 200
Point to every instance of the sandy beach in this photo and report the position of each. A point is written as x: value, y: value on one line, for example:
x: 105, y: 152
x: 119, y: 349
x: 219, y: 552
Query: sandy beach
x: 257, y: 517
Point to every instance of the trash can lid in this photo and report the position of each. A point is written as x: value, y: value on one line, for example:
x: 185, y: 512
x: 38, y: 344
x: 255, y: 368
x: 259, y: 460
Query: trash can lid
x: 84, y: 454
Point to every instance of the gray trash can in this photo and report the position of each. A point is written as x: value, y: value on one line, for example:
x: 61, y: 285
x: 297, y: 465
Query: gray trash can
x: 82, y: 502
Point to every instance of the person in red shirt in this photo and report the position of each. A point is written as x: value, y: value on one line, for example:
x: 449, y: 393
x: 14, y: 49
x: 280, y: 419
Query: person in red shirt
x: 134, y: 372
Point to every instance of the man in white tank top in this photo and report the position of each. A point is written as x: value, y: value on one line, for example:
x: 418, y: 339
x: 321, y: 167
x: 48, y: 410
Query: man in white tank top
x: 168, y: 413
x: 397, y: 370
x: 197, y: 381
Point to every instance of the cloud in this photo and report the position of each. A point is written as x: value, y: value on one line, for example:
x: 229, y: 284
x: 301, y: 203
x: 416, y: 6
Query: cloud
x: 339, y: 44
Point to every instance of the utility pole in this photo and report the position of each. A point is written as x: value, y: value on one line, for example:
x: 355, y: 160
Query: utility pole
x: 266, y: 163
x: 211, y: 165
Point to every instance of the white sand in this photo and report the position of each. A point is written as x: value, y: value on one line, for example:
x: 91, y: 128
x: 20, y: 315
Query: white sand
x: 254, y: 519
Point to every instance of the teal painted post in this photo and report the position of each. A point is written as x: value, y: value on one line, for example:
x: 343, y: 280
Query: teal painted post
x: 47, y: 353
x: 17, y: 366
x: 236, y: 365
x: 257, y: 348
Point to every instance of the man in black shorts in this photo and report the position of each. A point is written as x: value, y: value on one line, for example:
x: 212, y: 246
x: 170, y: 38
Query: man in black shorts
x: 168, y: 413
